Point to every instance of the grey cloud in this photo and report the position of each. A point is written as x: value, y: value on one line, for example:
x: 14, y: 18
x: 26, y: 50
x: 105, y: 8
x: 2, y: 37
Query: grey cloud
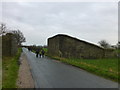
x: 91, y: 21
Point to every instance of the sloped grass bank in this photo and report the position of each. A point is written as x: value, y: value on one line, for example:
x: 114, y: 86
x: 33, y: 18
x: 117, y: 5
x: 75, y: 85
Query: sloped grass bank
x: 10, y: 69
x: 107, y: 68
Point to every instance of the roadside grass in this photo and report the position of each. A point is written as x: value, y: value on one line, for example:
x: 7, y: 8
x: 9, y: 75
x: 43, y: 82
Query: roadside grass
x: 107, y: 68
x: 10, y: 69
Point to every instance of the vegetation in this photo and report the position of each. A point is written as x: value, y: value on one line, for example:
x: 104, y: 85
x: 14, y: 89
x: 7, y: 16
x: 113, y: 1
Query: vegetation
x: 40, y: 48
x: 104, y: 44
x: 17, y: 33
x: 46, y: 50
x: 19, y: 36
x: 117, y: 51
x: 118, y: 44
x: 107, y: 68
x: 2, y: 28
x: 10, y: 69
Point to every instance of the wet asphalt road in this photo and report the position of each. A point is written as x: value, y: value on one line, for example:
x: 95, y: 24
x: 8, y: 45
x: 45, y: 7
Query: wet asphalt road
x: 48, y: 73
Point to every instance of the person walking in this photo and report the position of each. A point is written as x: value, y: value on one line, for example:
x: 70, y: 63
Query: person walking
x: 40, y: 54
x: 43, y: 52
x: 37, y: 53
x: 29, y: 49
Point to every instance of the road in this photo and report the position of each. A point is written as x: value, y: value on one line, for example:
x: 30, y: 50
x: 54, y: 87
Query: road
x: 49, y: 73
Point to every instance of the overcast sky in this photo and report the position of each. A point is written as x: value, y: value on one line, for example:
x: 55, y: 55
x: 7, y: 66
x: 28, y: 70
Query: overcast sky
x: 89, y: 21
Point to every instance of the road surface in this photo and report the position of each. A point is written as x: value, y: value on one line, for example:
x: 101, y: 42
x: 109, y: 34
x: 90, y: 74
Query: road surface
x: 49, y: 73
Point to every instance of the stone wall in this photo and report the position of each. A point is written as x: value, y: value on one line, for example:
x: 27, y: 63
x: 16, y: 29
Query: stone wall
x: 9, y: 45
x: 110, y: 53
x: 69, y: 47
x: 0, y: 47
x: 53, y: 46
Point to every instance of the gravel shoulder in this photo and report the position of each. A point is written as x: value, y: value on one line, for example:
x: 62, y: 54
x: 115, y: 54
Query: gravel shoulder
x: 25, y: 79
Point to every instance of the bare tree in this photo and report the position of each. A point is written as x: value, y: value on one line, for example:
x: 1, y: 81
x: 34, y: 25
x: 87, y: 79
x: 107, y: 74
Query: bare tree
x: 104, y: 44
x: 19, y: 36
x: 2, y: 28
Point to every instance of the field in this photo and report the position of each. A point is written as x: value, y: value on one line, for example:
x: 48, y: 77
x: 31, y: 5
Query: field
x: 107, y: 68
x: 10, y: 69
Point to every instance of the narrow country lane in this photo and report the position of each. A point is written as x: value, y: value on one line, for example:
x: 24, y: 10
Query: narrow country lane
x: 48, y: 73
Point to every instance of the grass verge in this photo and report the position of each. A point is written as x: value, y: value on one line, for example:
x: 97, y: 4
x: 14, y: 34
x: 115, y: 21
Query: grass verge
x: 10, y: 69
x: 107, y: 68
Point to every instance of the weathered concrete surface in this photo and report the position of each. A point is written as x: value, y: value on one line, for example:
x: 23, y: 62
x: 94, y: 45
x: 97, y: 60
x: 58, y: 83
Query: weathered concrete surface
x: 0, y: 62
x: 70, y: 47
x: 25, y: 79
x: 48, y: 73
x: 9, y: 45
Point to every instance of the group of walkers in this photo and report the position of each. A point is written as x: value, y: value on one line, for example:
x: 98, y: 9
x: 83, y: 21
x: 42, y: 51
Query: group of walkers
x: 29, y: 49
x: 39, y: 53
